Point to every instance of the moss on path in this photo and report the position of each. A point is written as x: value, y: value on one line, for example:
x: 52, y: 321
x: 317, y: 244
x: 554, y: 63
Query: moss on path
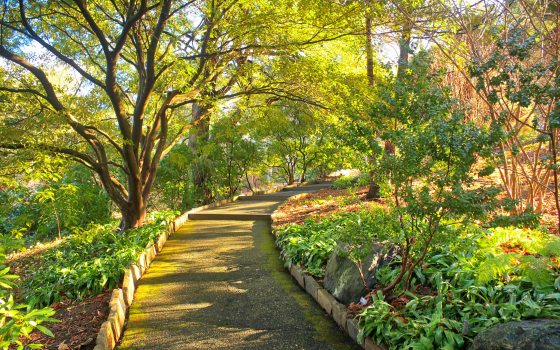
x: 221, y: 285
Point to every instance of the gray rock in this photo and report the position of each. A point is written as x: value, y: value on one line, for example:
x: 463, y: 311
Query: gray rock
x: 342, y: 276
x: 538, y: 334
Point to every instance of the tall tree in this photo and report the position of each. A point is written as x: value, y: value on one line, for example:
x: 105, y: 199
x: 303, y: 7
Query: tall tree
x: 103, y: 45
x: 505, y: 57
x: 108, y: 84
x: 252, y: 72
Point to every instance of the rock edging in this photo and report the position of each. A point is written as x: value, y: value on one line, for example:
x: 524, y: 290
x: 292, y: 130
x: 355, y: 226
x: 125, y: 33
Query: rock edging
x: 332, y: 307
x: 336, y: 310
x: 112, y: 329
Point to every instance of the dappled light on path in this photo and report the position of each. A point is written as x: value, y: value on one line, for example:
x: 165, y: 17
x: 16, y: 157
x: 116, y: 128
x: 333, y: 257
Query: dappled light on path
x: 219, y: 284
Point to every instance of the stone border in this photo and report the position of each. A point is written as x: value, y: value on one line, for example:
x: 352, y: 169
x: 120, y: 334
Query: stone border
x: 121, y: 299
x: 111, y: 330
x: 332, y: 307
x: 335, y: 309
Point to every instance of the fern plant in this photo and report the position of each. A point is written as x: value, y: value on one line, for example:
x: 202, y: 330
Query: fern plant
x: 513, y: 254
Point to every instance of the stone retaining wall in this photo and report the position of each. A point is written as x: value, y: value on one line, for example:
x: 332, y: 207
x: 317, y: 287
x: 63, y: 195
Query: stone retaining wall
x: 112, y: 329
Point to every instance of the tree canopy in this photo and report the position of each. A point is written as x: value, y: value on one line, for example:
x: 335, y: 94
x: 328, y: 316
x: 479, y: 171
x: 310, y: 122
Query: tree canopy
x: 115, y: 86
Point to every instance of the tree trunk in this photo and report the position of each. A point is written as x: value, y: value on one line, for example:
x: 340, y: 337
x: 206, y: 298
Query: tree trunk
x: 198, y: 137
x: 291, y: 177
x: 291, y: 180
x: 556, y: 185
x: 373, y: 191
x: 249, y: 182
x: 389, y: 147
x: 302, y: 177
x: 369, y: 51
x: 404, y: 50
x: 133, y: 215
x: 303, y: 169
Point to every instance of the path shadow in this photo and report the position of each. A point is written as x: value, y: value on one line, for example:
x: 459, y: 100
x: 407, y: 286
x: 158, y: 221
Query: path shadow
x: 221, y: 285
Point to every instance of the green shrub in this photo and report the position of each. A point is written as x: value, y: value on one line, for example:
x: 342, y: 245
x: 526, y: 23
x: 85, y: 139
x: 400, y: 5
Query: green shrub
x: 18, y: 320
x: 311, y: 243
x: 344, y: 182
x: 476, y: 281
x: 171, y: 188
x: 519, y: 256
x: 89, y: 261
x: 362, y: 180
x: 528, y: 219
x: 57, y: 205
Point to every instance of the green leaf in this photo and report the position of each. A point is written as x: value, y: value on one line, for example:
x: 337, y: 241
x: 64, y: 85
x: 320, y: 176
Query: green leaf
x: 45, y: 330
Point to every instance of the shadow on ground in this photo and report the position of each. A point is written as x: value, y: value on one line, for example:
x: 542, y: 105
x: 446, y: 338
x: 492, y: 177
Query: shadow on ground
x: 221, y: 285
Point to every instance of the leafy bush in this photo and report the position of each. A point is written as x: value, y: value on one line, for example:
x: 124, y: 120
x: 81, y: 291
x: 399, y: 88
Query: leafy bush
x: 431, y: 169
x: 518, y: 255
x: 171, y: 188
x: 18, y: 320
x: 311, y: 243
x: 474, y: 282
x: 53, y: 205
x: 89, y: 261
x: 470, y: 280
x: 362, y: 180
x: 344, y: 182
x: 528, y: 219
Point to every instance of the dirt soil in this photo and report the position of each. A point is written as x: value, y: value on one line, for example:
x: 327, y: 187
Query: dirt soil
x: 80, y: 320
x: 320, y: 204
x: 80, y: 323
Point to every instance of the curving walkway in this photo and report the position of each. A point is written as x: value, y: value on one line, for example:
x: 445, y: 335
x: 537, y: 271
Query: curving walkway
x: 219, y: 284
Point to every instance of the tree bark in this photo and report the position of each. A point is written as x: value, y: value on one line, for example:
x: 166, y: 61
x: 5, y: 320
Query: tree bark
x: 369, y: 51
x: 303, y: 174
x: 291, y: 179
x: 373, y: 191
x: 404, y: 50
x: 133, y: 215
x: 389, y: 147
x: 304, y: 167
x: 198, y: 137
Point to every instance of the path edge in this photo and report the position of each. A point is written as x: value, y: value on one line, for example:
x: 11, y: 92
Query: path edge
x: 336, y: 310
x: 112, y: 330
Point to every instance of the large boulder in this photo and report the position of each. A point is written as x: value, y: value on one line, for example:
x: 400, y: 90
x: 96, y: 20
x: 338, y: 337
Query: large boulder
x: 342, y: 276
x: 538, y: 334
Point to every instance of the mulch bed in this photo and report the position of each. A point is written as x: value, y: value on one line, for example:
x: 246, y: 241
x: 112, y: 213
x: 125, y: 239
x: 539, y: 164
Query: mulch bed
x: 80, y: 323
x: 320, y: 204
x: 80, y: 320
